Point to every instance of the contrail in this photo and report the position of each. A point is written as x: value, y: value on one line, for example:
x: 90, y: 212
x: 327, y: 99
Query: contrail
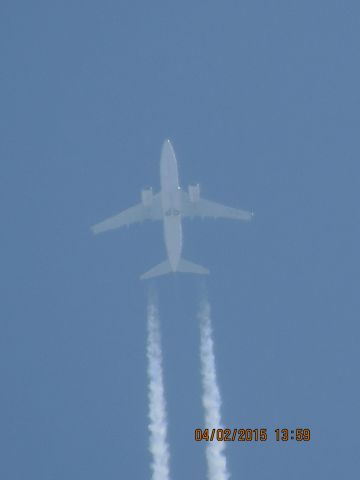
x: 157, y: 406
x: 211, y: 398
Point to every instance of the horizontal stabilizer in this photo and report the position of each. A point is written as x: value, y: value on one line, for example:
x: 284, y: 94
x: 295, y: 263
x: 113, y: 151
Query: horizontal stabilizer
x: 161, y: 269
x: 189, y: 267
x: 184, y: 267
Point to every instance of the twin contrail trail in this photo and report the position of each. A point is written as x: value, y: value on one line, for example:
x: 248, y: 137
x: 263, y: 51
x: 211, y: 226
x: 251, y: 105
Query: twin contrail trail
x: 211, y: 398
x: 157, y: 405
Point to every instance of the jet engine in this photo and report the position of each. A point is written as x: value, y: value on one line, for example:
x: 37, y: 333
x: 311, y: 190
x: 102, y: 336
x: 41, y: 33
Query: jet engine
x: 147, y: 197
x: 194, y: 193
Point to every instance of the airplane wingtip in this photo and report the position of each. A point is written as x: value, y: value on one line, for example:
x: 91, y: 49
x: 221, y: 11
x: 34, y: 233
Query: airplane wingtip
x: 95, y: 230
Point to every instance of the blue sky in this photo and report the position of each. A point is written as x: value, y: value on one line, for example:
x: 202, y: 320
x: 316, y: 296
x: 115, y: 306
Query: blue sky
x: 261, y: 102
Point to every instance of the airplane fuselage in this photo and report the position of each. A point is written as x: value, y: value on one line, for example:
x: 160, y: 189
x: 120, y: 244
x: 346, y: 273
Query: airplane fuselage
x: 171, y: 204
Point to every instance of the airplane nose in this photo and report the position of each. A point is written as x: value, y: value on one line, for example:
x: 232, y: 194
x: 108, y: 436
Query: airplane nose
x: 167, y: 152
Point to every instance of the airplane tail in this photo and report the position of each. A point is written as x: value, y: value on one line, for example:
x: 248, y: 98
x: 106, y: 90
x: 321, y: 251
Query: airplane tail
x: 184, y: 267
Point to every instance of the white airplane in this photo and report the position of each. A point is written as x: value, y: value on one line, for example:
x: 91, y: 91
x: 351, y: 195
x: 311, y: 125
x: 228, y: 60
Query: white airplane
x: 170, y: 205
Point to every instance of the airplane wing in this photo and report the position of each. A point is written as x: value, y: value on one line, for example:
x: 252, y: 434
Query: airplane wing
x: 135, y: 214
x: 207, y: 208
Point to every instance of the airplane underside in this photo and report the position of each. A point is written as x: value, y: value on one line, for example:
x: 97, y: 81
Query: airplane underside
x: 170, y: 205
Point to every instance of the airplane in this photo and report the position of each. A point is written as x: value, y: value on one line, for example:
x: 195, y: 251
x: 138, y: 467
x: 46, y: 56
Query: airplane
x: 171, y: 205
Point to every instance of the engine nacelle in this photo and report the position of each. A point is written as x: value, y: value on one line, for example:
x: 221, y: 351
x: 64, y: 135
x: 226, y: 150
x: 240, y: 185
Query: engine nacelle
x: 147, y: 197
x: 194, y: 193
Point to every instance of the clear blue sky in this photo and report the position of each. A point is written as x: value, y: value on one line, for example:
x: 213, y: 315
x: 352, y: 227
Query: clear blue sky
x: 261, y: 102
